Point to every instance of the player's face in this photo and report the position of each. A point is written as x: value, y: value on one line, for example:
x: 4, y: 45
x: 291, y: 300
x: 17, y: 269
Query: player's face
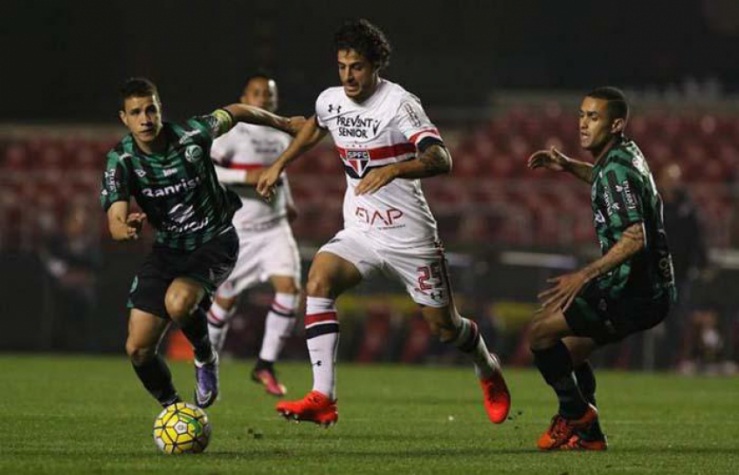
x: 262, y: 93
x: 596, y: 128
x: 143, y: 117
x: 357, y: 74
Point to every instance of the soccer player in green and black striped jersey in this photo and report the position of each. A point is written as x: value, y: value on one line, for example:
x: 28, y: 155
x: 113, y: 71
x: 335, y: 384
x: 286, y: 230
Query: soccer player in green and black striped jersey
x: 628, y: 289
x: 166, y: 168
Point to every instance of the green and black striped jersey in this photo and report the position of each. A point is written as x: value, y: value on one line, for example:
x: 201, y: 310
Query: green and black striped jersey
x: 178, y: 189
x: 623, y: 193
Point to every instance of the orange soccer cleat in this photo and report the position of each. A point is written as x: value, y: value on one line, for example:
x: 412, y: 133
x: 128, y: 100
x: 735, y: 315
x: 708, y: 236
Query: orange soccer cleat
x: 561, y: 430
x: 497, y: 397
x: 314, y: 407
x: 583, y: 441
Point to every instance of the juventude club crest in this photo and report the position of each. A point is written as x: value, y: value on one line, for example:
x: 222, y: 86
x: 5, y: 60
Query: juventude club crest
x: 193, y: 153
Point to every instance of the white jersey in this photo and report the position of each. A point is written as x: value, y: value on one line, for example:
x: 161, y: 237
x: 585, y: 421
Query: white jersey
x: 248, y: 147
x: 382, y: 130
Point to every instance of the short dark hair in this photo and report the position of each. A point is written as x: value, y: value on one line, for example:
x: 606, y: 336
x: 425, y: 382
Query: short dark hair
x: 366, y: 39
x: 616, y: 106
x: 137, y: 87
x: 260, y: 74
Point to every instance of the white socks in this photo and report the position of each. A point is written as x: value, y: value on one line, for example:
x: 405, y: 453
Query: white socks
x: 470, y: 342
x: 278, y: 326
x: 218, y: 323
x: 322, y: 339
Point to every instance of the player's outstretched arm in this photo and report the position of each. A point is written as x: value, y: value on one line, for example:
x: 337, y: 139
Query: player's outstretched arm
x: 255, y: 115
x: 555, y: 160
x: 124, y: 226
x: 566, y: 287
x: 310, y: 134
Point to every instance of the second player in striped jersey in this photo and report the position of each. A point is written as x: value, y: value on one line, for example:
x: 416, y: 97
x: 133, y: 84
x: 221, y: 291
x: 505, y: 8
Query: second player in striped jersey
x: 386, y: 144
x: 267, y: 248
x: 629, y: 289
x: 166, y: 168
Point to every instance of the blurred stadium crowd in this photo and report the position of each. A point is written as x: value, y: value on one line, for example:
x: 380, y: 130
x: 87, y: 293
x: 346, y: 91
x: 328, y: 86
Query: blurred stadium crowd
x: 50, y: 179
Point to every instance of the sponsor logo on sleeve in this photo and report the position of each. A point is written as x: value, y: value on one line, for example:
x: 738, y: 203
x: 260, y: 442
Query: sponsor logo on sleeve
x: 111, y: 183
x: 627, y: 194
x: 412, y: 115
x: 191, y: 133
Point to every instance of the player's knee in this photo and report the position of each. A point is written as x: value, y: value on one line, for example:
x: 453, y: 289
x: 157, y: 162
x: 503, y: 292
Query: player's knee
x: 540, y: 336
x: 139, y: 354
x: 179, y: 305
x: 318, y: 286
x: 289, y: 288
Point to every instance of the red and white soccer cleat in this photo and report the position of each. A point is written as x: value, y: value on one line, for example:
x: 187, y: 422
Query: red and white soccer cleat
x: 497, y: 397
x: 268, y: 379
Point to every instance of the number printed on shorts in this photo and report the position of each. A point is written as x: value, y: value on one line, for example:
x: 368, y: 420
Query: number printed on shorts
x: 429, y: 277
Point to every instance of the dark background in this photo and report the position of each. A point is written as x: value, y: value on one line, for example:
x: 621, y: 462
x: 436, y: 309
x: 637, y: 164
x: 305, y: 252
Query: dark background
x: 500, y: 78
x: 63, y: 60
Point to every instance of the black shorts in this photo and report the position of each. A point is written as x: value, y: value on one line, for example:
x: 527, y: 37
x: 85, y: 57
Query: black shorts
x: 596, y: 315
x: 210, y: 265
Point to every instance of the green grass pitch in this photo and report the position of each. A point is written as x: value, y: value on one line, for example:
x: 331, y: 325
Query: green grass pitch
x: 89, y: 415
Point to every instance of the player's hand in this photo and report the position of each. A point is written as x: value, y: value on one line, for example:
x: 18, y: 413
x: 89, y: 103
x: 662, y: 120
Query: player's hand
x: 551, y: 159
x: 135, y: 222
x: 563, y: 291
x: 294, y: 124
x: 376, y: 179
x: 268, y: 180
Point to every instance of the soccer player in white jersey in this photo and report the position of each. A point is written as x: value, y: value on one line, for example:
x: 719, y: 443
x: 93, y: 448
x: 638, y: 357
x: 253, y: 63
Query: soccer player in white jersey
x: 386, y: 144
x: 267, y: 249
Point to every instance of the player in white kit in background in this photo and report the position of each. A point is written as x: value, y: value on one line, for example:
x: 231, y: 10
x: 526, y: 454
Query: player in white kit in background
x: 386, y: 144
x: 267, y: 249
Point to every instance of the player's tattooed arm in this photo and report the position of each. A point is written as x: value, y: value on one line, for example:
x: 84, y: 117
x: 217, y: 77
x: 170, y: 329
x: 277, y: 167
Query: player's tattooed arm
x: 632, y: 241
x: 581, y: 170
x: 433, y: 160
x: 436, y: 160
x: 565, y: 288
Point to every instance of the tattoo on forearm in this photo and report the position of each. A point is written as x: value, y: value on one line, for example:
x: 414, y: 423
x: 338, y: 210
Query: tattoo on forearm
x: 631, y: 242
x: 634, y: 233
x: 581, y: 170
x: 435, y: 160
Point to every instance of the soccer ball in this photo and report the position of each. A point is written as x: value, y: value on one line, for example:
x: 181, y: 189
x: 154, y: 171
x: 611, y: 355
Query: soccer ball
x: 182, y: 428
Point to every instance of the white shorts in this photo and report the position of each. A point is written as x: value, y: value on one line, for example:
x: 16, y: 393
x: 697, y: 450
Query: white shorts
x: 421, y: 269
x: 262, y: 254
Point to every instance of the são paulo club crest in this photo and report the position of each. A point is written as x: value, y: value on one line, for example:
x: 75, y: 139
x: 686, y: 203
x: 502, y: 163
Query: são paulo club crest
x: 357, y: 160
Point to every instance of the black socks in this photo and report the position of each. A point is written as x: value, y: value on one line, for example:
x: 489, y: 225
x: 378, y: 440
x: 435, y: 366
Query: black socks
x: 555, y: 365
x: 156, y: 378
x: 196, y: 331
